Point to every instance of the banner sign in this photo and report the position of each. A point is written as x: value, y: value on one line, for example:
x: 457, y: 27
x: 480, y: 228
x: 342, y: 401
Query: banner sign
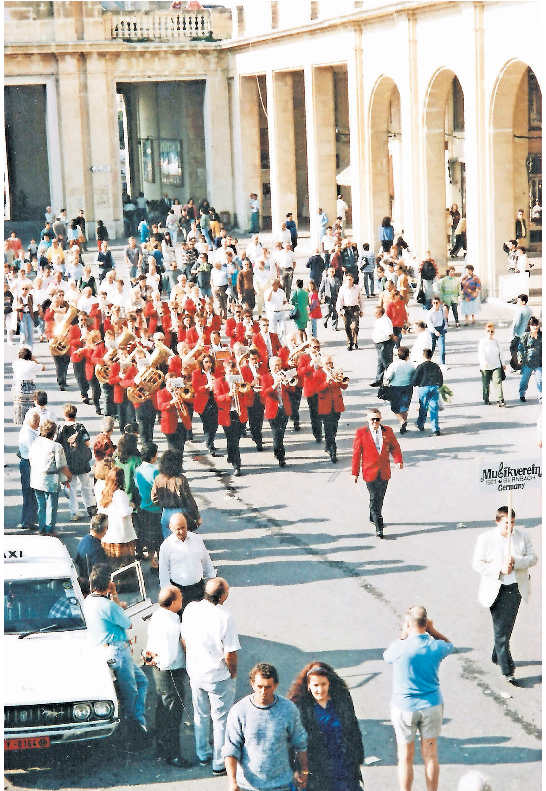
x: 516, y: 474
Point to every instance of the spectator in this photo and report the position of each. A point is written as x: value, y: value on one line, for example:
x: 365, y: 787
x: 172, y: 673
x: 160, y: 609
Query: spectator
x: 27, y: 435
x: 75, y: 441
x: 150, y: 513
x: 120, y: 540
x: 530, y: 357
x: 25, y: 371
x: 428, y: 378
x: 184, y: 561
x: 171, y: 492
x: 491, y: 364
x: 90, y: 551
x: 47, y: 464
x: 103, y: 445
x: 398, y: 376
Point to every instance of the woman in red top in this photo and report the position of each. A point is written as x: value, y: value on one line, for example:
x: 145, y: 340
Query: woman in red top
x: 204, y: 402
x: 252, y: 374
x: 232, y: 413
x: 397, y: 313
x: 93, y: 352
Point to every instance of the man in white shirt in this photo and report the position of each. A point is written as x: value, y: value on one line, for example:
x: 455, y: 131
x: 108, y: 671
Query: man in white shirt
x: 383, y: 337
x: 164, y: 652
x: 254, y: 205
x: 108, y: 284
x: 211, y: 642
x: 341, y: 209
x: 504, y: 581
x: 350, y: 304
x: 254, y: 249
x: 40, y: 408
x: 422, y: 342
x: 27, y: 435
x: 87, y: 300
x: 286, y: 263
x: 284, y: 234
x: 184, y: 561
x: 275, y: 298
x: 219, y: 284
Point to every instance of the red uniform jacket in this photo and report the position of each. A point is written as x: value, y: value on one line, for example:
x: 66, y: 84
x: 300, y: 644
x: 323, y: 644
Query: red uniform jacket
x: 215, y: 323
x: 248, y: 377
x: 96, y: 314
x: 230, y: 328
x: 225, y: 402
x: 192, y: 336
x: 169, y: 415
x: 129, y: 377
x: 270, y: 398
x: 76, y: 343
x: 114, y: 379
x: 93, y: 356
x: 330, y: 398
x: 199, y: 384
x: 397, y: 313
x: 150, y: 316
x: 307, y: 371
x: 372, y: 462
x: 259, y: 343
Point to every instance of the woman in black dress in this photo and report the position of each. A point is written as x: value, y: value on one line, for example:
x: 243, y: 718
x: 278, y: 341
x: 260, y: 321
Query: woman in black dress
x: 335, y: 747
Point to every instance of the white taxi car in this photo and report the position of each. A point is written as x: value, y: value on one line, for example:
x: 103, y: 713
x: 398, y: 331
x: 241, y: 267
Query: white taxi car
x: 58, y: 686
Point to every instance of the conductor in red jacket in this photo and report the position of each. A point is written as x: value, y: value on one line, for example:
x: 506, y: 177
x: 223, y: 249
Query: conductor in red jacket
x: 373, y: 445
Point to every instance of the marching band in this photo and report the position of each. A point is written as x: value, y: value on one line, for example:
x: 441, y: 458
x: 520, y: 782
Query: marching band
x: 152, y: 360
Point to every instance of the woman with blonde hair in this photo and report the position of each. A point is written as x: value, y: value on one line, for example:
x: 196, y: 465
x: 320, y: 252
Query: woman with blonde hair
x: 120, y: 540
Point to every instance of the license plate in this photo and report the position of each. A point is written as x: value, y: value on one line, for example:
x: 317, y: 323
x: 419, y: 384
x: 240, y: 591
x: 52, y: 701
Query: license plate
x: 33, y: 743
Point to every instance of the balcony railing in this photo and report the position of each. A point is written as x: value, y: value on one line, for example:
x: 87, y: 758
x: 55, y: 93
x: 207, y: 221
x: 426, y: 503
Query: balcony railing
x: 163, y: 26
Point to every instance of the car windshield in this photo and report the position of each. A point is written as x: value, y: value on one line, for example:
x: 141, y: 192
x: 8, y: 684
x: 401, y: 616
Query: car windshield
x: 41, y: 605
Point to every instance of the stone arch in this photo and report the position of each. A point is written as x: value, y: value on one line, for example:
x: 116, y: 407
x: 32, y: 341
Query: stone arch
x: 509, y: 149
x: 384, y: 125
x: 434, y: 159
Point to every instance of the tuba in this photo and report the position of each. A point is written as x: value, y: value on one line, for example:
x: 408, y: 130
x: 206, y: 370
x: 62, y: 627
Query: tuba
x: 60, y: 344
x: 102, y: 370
x: 150, y: 379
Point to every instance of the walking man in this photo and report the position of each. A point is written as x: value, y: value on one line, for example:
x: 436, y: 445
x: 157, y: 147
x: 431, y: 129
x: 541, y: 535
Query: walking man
x: 371, y: 448
x: 262, y: 730
x: 350, y: 303
x: 416, y: 703
x: 211, y: 642
x: 504, y: 581
x: 164, y: 652
x: 184, y: 561
x: 383, y: 338
x: 428, y: 378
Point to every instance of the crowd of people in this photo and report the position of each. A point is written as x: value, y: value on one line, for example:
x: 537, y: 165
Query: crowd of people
x: 190, y: 324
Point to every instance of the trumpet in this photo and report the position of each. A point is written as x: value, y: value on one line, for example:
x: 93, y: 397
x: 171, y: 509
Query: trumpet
x: 237, y: 388
x: 180, y: 393
x: 288, y: 378
x: 337, y: 377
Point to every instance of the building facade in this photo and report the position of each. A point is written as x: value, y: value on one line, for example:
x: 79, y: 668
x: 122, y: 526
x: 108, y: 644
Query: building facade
x: 402, y: 108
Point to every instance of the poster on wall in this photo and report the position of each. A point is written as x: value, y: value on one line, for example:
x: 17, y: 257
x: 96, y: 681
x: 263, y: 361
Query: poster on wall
x: 148, y: 160
x: 170, y: 159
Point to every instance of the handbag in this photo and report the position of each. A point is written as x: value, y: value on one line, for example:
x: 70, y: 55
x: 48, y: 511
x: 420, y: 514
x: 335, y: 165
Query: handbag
x: 384, y: 393
x: 421, y: 298
x: 503, y: 374
x: 295, y: 313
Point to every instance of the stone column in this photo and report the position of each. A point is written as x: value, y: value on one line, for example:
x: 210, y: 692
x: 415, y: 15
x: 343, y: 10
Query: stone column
x: 321, y: 145
x: 218, y: 142
x: 74, y: 140
x: 246, y: 147
x: 360, y: 179
x: 282, y: 153
x: 104, y: 145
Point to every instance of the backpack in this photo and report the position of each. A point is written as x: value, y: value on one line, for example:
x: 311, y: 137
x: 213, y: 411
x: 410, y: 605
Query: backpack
x: 78, y: 457
x: 427, y: 271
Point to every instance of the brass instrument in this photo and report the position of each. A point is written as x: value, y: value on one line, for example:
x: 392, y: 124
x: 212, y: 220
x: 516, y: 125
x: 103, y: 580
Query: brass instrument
x: 337, y: 377
x: 221, y: 355
x: 60, y: 344
x: 150, y: 379
x: 291, y: 357
x: 102, y: 370
x: 180, y: 393
x: 236, y: 389
x: 288, y: 377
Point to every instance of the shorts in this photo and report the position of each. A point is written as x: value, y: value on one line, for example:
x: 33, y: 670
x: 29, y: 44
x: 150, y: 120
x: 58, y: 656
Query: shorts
x: 427, y: 721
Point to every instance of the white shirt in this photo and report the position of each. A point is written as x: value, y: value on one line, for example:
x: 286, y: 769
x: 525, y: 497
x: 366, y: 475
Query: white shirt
x: 86, y: 303
x: 285, y: 259
x: 262, y: 278
x: 120, y: 524
x: 27, y: 435
x: 284, y: 236
x: 341, y: 208
x: 382, y: 329
x: 109, y: 288
x: 254, y: 204
x: 164, y: 640
x: 350, y: 297
x: 218, y: 277
x: 44, y: 413
x: 422, y: 342
x: 276, y: 300
x: 25, y: 370
x: 489, y: 354
x: 377, y: 436
x: 209, y: 633
x: 184, y: 562
x: 253, y: 251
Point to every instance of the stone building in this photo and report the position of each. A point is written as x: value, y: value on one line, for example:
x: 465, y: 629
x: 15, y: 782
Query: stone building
x: 403, y: 108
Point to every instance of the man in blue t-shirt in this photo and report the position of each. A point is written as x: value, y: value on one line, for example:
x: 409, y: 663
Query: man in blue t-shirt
x: 417, y: 703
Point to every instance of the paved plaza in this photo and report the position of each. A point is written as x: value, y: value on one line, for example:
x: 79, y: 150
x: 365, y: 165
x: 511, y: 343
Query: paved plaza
x: 309, y: 580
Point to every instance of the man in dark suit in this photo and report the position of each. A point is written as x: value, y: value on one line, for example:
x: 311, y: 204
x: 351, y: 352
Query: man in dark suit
x: 373, y: 444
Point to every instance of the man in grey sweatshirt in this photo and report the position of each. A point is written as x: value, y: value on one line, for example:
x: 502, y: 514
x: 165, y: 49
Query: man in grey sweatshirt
x: 261, y: 730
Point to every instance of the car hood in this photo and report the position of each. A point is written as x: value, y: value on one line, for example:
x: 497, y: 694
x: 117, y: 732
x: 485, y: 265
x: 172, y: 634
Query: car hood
x: 58, y: 668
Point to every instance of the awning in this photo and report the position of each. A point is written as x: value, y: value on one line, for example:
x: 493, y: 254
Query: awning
x: 344, y: 177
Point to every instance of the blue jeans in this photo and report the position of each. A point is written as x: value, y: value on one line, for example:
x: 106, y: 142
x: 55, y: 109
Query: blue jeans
x: 441, y: 343
x: 368, y: 283
x: 526, y: 372
x: 131, y: 681
x: 206, y: 234
x: 213, y: 702
x: 165, y: 516
x: 254, y: 221
x: 27, y: 330
x: 29, y: 515
x: 314, y: 328
x: 48, y: 503
x: 428, y: 399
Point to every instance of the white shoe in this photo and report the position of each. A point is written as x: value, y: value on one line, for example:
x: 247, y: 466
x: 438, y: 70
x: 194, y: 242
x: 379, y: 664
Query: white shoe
x: 76, y: 518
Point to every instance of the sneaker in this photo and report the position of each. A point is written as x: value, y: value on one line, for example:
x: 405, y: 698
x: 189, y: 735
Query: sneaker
x: 437, y: 433
x: 404, y: 427
x: 501, y: 403
x: 206, y: 761
x: 219, y: 772
x: 522, y: 398
x: 76, y: 518
x: 419, y: 427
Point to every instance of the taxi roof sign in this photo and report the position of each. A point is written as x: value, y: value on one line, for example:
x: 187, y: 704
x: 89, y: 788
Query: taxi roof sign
x: 33, y: 548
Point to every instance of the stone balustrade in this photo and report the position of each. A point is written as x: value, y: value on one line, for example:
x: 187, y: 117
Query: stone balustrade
x: 162, y: 26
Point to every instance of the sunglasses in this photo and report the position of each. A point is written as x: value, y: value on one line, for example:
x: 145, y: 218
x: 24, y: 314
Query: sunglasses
x: 375, y: 419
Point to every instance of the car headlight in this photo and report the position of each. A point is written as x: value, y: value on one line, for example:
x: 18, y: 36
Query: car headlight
x: 81, y: 711
x: 103, y: 708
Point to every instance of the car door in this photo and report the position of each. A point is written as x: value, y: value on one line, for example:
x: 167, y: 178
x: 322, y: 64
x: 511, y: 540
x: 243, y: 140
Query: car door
x: 131, y: 590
